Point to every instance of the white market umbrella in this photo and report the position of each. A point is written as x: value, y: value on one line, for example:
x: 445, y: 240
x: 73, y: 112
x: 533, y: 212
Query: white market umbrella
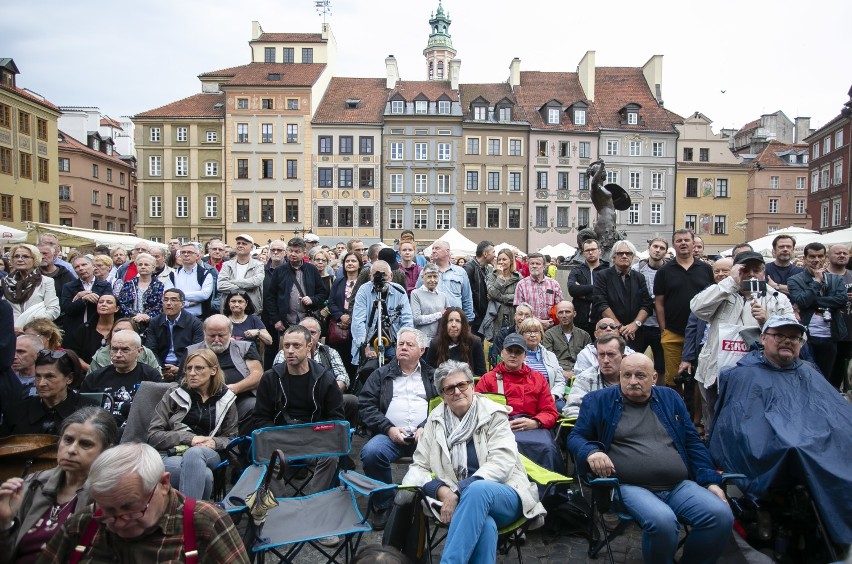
x: 763, y: 245
x: 11, y: 235
x: 460, y: 245
x: 517, y: 252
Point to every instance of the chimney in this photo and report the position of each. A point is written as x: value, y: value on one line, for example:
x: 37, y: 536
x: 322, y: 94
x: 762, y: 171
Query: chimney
x: 455, y: 68
x: 256, y: 30
x: 653, y: 71
x: 803, y: 129
x: 586, y: 74
x: 515, y: 72
x: 393, y: 71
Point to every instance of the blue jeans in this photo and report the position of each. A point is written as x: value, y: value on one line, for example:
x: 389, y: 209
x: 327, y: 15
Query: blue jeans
x: 484, y: 508
x: 710, y: 520
x: 192, y: 473
x: 377, y: 456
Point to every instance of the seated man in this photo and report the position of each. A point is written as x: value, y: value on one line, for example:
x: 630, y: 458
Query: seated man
x: 19, y: 381
x: 239, y: 360
x: 170, y: 333
x: 610, y: 349
x: 394, y: 404
x: 565, y: 340
x: 528, y: 394
x: 141, y: 517
x: 643, y: 435
x: 588, y: 357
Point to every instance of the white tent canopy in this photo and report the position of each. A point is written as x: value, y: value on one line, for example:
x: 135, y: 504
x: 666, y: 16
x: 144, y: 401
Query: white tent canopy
x: 560, y: 250
x: 763, y: 245
x: 460, y: 246
x: 78, y: 237
x: 11, y: 235
x: 513, y: 248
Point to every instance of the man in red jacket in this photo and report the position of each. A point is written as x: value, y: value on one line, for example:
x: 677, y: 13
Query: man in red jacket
x: 528, y: 394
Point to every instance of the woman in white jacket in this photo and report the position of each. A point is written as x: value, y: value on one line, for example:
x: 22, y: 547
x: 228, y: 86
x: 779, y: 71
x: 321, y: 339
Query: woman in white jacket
x: 467, y: 458
x: 30, y: 294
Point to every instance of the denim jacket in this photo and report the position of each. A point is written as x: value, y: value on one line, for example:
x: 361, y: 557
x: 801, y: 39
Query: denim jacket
x: 601, y: 411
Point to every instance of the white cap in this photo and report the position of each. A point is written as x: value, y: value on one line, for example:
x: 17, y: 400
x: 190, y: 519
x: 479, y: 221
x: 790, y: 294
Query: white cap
x: 245, y: 237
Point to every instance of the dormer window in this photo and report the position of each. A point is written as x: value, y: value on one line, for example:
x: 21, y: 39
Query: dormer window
x: 96, y: 145
x: 421, y: 106
x: 274, y: 76
x: 553, y: 116
x: 504, y: 113
x: 109, y: 150
x: 397, y: 106
x: 353, y: 103
x: 632, y: 118
x: 443, y: 106
x: 630, y: 114
x: 480, y: 112
x: 579, y: 117
x: 793, y: 159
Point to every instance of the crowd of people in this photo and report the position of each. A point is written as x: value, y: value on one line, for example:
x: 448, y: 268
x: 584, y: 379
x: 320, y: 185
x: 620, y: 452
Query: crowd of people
x: 302, y: 332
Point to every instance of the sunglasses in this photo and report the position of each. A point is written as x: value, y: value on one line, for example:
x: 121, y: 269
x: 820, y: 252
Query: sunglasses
x: 461, y: 387
x: 604, y: 326
x: 55, y: 355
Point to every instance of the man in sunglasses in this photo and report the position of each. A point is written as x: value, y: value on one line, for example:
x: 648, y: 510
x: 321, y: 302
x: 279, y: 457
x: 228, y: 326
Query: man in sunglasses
x: 588, y: 357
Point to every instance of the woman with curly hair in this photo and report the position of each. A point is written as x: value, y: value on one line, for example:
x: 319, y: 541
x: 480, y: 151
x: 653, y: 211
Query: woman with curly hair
x: 47, y: 330
x: 455, y: 341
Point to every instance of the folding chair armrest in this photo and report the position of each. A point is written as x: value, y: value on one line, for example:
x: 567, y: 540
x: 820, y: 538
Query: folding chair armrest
x: 726, y: 477
x: 604, y: 482
x: 363, y: 484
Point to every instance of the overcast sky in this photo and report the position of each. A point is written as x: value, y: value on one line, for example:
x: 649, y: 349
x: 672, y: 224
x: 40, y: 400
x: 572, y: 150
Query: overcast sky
x: 128, y: 57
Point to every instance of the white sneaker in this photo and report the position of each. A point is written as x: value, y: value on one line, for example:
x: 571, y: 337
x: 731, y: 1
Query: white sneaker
x: 329, y: 542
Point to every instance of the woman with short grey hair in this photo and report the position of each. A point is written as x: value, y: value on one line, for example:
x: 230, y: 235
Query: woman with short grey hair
x: 427, y: 302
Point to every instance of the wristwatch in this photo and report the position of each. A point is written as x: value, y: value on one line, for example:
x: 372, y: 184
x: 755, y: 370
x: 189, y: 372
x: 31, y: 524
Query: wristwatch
x: 637, y: 322
x: 455, y: 490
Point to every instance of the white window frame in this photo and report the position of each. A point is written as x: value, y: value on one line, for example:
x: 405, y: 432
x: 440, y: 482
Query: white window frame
x: 612, y: 176
x: 657, y: 180
x: 635, y: 148
x: 814, y: 181
x: 242, y: 136
x: 801, y: 182
x: 397, y: 107
x: 773, y: 205
x: 635, y: 180
x: 443, y: 106
x: 656, y: 213
x: 267, y: 133
x: 658, y: 149
x: 837, y: 172
x: 585, y: 149
x: 490, y: 186
x: 800, y: 206
x: 514, y: 182
x: 445, y: 152
x: 634, y: 213
x: 632, y: 118
x: 155, y: 165
x: 211, y: 206
x: 442, y: 219
x: 444, y: 184
x: 154, y: 135
x: 579, y: 117
x: 181, y: 206
x: 155, y: 206
x: 480, y: 113
x: 690, y: 221
x: 826, y: 145
x: 720, y: 184
x: 421, y: 151
x: 823, y: 216
x: 774, y: 182
x: 516, y: 147
x: 825, y: 177
x: 397, y: 151
x: 181, y: 165
x: 553, y: 116
x: 395, y: 218
x: 182, y: 135
x: 212, y: 136
x: 211, y: 168
x: 421, y: 107
x: 838, y: 139
x: 612, y: 147
x: 494, y: 146
x: 421, y: 184
x: 836, y: 212
x: 421, y: 218
x: 396, y: 184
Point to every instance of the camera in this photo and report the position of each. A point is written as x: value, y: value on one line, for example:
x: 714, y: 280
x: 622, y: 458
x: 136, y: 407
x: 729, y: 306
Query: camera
x: 683, y: 377
x: 379, y: 281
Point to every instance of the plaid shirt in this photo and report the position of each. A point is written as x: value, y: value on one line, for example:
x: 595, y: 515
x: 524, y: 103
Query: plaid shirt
x: 540, y: 295
x: 217, y: 539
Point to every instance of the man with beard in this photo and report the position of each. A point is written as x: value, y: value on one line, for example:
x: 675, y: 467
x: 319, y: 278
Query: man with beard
x: 782, y: 268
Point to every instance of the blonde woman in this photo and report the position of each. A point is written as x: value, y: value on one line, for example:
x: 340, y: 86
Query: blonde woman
x: 30, y: 294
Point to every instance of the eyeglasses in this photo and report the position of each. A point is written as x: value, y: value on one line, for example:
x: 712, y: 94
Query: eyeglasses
x: 623, y: 254
x: 131, y: 516
x: 780, y: 338
x: 461, y: 387
x: 604, y: 326
x: 22, y: 257
x: 276, y: 250
x: 591, y: 250
x: 531, y: 333
x: 47, y: 353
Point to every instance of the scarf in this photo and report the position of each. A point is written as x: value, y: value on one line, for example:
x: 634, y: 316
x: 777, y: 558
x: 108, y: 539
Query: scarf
x: 459, y: 432
x: 18, y: 288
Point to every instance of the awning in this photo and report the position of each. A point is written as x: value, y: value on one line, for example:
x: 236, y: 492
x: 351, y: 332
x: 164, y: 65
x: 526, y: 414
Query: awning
x: 78, y: 237
x: 11, y: 235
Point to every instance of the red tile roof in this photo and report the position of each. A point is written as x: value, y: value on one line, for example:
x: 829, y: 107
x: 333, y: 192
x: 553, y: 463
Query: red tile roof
x: 493, y: 93
x: 750, y: 125
x: 616, y: 87
x: 68, y: 143
x: 257, y: 74
x: 289, y: 38
x: 768, y: 157
x: 432, y: 89
x: 537, y: 88
x: 372, y: 93
x: 108, y: 121
x: 31, y: 97
x: 198, y: 106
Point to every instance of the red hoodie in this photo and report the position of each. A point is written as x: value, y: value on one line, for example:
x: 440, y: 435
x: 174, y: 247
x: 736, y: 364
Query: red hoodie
x: 526, y: 390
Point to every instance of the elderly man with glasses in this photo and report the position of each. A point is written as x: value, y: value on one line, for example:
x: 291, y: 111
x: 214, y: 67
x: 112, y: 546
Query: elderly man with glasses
x: 588, y: 356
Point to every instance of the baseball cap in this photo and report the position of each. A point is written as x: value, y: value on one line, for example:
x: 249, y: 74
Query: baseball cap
x: 748, y: 255
x: 311, y: 238
x: 245, y: 237
x: 514, y: 340
x: 782, y: 321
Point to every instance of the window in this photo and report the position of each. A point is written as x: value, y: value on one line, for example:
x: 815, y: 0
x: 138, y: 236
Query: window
x: 443, y: 184
x: 720, y: 225
x: 442, y: 219
x: 325, y: 215
x: 420, y: 152
x: 514, y: 182
x: 515, y: 148
x: 292, y: 133
x: 242, y: 168
x: 635, y: 148
x: 155, y: 205
x: 267, y: 104
x: 212, y: 136
x: 553, y: 116
x: 395, y: 218
x: 564, y: 149
x: 365, y: 145
x: 721, y: 188
x: 562, y: 216
x: 632, y: 118
x: 396, y: 151
x: 95, y: 169
x: 633, y: 213
x: 800, y: 182
x: 835, y: 212
x: 612, y: 176
x: 815, y: 152
x: 690, y: 222
x: 541, y: 180
x: 155, y: 166
x: 473, y: 145
x: 397, y: 106
x: 291, y: 210
x: 542, y: 148
x: 109, y: 200
x: 6, y: 207
x: 292, y: 103
x: 656, y: 181
x: 5, y: 116
x: 582, y: 216
x: 800, y: 206
x: 242, y: 210
x: 420, y: 184
x: 242, y: 103
x: 443, y: 106
x: 23, y: 122
x: 823, y: 216
x: 773, y: 205
x: 266, y: 168
x: 365, y: 216
x: 181, y: 166
x: 96, y: 144
x: 96, y: 224
x: 396, y: 184
x: 182, y: 206
x: 64, y: 192
x: 326, y: 177
x: 479, y: 112
x: 325, y: 145
x: 494, y: 181
x: 504, y: 114
x: 815, y: 181
x: 635, y: 181
x: 826, y: 145
x: 292, y: 168
x: 611, y: 147
x: 687, y: 153
x: 838, y: 172
x: 824, y: 180
x: 182, y: 134
x: 365, y: 177
x: 579, y: 117
x: 154, y: 135
x: 110, y: 226
x: 345, y: 142
x: 421, y: 106
x: 44, y: 170
x: 307, y: 55
x: 211, y: 168
x: 494, y: 147
x: 691, y: 187
x: 109, y: 175
x: 289, y: 55
x: 703, y: 155
x: 444, y: 152
x: 658, y: 148
x: 585, y: 149
x: 471, y: 217
x: 773, y: 182
x: 26, y: 209
x: 472, y: 180
x: 41, y: 129
x: 562, y: 181
x: 838, y: 139
x: 344, y: 177
x: 421, y: 219
x: 656, y: 213
x: 582, y: 181
x: 269, y: 54
x: 122, y: 203
x: 266, y: 133
x: 514, y: 218
x: 267, y: 210
x: 242, y: 133
x: 541, y: 216
x: 64, y: 164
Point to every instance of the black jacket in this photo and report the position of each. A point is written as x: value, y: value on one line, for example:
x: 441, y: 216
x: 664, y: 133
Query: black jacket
x: 268, y: 271
x: 270, y: 410
x: 32, y: 417
x: 479, y: 290
x: 625, y: 300
x: 581, y: 289
x: 377, y: 393
x: 188, y: 331
x: 477, y: 355
x: 74, y: 310
x: 276, y: 301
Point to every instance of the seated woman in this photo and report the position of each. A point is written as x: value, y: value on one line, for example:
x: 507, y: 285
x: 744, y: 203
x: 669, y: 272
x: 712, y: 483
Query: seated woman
x: 43, y: 414
x: 102, y: 357
x: 455, y: 341
x: 467, y: 459
x: 47, y: 330
x: 91, y: 335
x: 247, y: 326
x: 33, y: 510
x: 194, y: 421
x: 528, y: 394
x: 542, y: 360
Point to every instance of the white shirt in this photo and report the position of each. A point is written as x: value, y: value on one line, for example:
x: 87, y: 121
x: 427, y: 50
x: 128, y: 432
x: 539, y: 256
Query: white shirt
x: 187, y: 281
x: 409, y: 405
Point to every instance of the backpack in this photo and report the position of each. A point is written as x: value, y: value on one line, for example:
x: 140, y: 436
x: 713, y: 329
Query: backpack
x: 568, y: 513
x: 210, y: 305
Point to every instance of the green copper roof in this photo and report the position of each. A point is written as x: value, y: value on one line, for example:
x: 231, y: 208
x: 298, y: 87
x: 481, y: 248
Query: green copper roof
x: 440, y: 36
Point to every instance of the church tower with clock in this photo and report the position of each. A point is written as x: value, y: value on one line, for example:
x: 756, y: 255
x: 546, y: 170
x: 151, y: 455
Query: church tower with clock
x: 439, y: 50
